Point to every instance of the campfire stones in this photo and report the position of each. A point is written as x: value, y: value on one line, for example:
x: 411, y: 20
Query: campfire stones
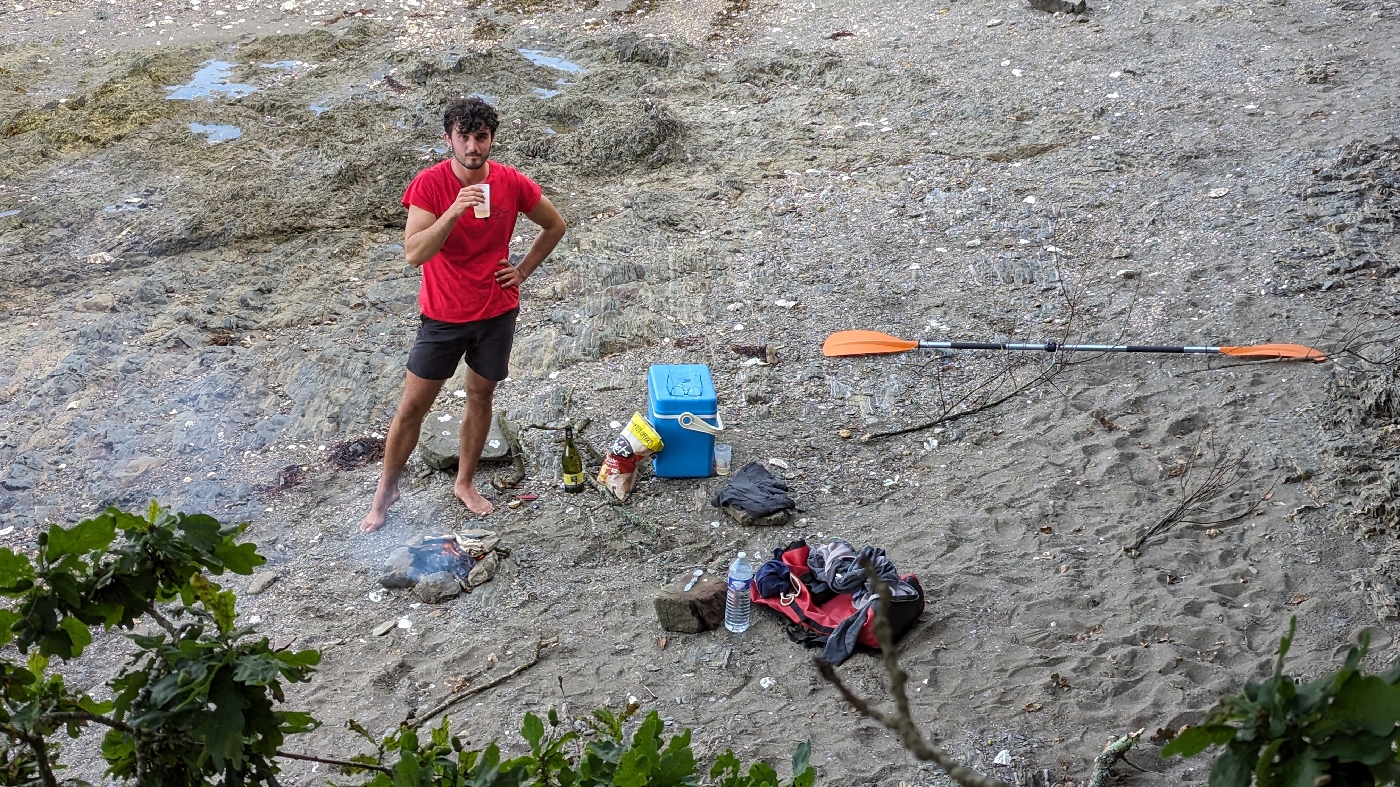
x: 450, y: 556
x: 437, y: 587
x: 484, y: 569
x: 438, y: 444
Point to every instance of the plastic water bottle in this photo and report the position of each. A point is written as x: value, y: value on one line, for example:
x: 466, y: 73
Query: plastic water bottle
x: 737, y: 603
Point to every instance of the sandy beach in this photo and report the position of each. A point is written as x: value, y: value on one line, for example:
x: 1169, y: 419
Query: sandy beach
x: 201, y: 247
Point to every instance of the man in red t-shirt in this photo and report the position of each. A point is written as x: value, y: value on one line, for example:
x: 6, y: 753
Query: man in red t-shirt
x: 461, y: 215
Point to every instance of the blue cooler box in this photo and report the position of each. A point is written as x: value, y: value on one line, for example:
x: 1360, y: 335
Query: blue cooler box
x: 682, y: 408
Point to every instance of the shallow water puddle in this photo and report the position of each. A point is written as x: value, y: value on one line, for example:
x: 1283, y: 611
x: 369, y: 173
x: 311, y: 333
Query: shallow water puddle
x: 217, y: 132
x: 546, y: 93
x: 319, y: 108
x: 210, y: 79
x: 284, y: 65
x: 541, y: 58
x: 4, y: 214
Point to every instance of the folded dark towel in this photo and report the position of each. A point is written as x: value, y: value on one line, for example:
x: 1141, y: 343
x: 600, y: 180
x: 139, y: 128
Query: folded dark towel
x: 754, y: 490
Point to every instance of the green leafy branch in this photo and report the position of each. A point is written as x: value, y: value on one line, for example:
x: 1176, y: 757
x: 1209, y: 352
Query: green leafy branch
x: 1340, y: 730
x: 195, y: 702
x: 200, y: 701
x: 646, y: 758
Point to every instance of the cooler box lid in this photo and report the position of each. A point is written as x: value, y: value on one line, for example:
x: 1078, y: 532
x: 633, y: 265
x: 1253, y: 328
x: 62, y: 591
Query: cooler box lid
x: 681, y: 388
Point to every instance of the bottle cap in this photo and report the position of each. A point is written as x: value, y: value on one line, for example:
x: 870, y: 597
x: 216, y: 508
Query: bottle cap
x: 741, y: 554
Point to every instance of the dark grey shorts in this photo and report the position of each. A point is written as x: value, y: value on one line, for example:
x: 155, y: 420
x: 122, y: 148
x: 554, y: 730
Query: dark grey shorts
x: 484, y: 344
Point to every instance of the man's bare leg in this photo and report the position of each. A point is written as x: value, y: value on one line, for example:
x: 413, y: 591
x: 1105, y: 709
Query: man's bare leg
x: 414, y: 404
x: 476, y: 423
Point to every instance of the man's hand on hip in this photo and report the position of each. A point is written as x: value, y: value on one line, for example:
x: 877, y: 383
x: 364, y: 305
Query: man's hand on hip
x: 508, y: 275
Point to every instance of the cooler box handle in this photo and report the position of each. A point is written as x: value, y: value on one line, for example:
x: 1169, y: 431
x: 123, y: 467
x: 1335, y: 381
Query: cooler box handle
x: 693, y: 423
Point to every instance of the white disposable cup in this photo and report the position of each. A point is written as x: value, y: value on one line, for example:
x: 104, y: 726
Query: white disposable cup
x: 723, y: 453
x: 483, y: 211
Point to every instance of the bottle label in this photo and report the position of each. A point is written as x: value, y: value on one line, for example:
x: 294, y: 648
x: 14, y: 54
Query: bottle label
x: 741, y: 585
x: 573, y: 479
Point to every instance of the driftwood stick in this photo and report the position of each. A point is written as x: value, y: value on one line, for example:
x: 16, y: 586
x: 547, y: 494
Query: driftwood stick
x: 900, y: 721
x: 625, y: 513
x: 457, y: 697
x: 1112, y: 753
x: 517, y: 459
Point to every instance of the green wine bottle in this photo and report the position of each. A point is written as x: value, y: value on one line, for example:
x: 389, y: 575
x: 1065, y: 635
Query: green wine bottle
x: 572, y: 463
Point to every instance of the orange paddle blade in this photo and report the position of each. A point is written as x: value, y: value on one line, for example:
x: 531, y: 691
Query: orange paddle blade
x: 864, y: 343
x: 1297, y: 351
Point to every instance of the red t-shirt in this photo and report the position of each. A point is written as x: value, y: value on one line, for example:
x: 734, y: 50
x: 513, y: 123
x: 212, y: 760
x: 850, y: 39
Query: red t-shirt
x: 459, y: 282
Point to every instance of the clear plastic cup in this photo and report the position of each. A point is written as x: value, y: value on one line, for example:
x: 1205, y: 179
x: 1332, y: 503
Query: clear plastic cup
x: 483, y: 211
x: 723, y: 453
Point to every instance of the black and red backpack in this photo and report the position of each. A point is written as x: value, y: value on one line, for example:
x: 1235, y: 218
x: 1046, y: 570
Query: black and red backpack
x: 815, y: 611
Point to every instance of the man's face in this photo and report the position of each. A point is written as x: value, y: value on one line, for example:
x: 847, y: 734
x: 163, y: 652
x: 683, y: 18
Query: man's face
x: 471, y: 148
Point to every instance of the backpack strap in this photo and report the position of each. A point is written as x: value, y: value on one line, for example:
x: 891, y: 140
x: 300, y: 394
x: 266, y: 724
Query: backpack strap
x: 804, y: 620
x: 804, y: 637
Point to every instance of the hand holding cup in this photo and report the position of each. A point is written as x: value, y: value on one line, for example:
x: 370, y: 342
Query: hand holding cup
x: 473, y: 198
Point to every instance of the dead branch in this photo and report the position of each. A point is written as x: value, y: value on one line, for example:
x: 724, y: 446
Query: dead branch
x: 456, y: 697
x: 1361, y: 341
x: 1225, y: 472
x: 579, y: 426
x: 951, y: 412
x: 291, y: 755
x: 517, y: 451
x: 41, y: 752
x: 956, y: 410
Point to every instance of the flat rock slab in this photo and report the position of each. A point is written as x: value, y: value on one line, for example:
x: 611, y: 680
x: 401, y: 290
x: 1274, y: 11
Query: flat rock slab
x: 438, y: 442
x: 1060, y: 6
x: 745, y: 519
x: 261, y: 581
x: 691, y: 611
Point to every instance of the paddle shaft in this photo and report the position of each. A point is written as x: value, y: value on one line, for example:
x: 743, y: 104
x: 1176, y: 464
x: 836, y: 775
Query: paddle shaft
x: 1054, y: 347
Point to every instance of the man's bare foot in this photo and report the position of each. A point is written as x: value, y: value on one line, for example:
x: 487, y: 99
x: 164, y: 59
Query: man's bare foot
x: 379, y: 510
x: 473, y: 500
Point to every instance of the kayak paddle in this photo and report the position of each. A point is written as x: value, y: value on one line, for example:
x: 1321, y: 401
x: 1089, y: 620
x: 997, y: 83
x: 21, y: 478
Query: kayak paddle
x: 875, y: 343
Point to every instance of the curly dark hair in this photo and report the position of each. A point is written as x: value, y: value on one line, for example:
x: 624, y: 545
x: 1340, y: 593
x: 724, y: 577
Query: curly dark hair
x: 470, y: 114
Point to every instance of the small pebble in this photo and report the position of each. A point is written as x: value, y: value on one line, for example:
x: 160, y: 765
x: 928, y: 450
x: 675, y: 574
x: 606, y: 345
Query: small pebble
x: 845, y: 434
